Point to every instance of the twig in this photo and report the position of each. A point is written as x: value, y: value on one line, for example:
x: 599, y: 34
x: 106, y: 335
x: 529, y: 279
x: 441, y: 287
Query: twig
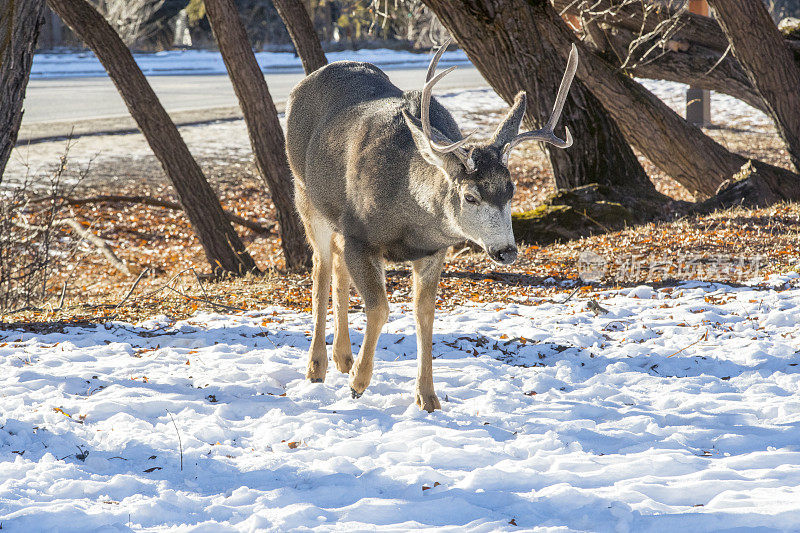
x: 63, y: 294
x: 99, y: 243
x: 180, y: 444
x: 594, y: 221
x: 209, y: 302
x: 199, y: 282
x: 102, y: 246
x: 133, y: 287
x: 156, y: 291
x: 573, y: 293
x: 704, y: 337
x: 720, y: 60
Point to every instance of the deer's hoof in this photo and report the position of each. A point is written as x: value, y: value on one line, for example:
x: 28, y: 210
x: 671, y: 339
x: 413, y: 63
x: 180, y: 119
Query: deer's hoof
x: 427, y: 402
x: 343, y: 363
x: 316, y: 370
x: 355, y: 394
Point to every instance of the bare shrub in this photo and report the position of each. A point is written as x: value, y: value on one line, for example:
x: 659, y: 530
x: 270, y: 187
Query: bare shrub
x: 32, y: 244
x: 133, y: 20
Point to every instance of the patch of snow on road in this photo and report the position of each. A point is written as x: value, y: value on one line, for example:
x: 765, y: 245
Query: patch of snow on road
x: 176, y: 62
x: 227, y: 138
x: 726, y: 110
x: 679, y: 410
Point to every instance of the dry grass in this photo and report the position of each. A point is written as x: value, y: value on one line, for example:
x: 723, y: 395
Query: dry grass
x: 162, y: 241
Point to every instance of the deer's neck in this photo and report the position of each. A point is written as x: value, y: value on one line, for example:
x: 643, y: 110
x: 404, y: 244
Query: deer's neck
x: 436, y: 196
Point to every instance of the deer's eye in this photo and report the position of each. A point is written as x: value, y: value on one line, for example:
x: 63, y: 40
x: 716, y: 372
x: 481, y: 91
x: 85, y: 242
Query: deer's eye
x: 471, y: 199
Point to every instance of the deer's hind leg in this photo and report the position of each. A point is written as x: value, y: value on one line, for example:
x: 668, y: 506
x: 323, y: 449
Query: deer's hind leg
x: 320, y: 234
x: 342, y: 352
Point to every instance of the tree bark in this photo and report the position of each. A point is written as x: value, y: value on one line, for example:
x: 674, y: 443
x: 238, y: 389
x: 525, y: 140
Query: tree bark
x: 222, y: 245
x: 770, y: 66
x: 698, y: 66
x: 677, y: 147
x: 701, y: 64
x: 304, y: 36
x: 688, y: 26
x: 20, y: 21
x: 504, y: 41
x: 263, y: 127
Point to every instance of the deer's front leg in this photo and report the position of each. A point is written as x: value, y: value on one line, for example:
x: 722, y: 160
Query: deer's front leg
x: 342, y: 352
x: 365, y: 266
x: 426, y: 281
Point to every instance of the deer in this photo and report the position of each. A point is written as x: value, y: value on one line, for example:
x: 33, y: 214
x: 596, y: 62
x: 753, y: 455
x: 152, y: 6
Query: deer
x: 382, y: 174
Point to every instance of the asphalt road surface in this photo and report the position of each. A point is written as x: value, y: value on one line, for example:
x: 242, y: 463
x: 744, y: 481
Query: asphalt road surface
x: 90, y: 105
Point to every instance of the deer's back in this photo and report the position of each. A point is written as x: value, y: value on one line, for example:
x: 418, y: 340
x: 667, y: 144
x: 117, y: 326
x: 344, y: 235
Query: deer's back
x: 350, y: 149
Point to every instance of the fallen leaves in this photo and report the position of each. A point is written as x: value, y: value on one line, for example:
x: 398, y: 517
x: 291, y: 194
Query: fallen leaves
x: 163, y: 241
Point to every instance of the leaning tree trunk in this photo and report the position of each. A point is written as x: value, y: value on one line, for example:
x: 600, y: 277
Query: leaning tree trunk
x: 680, y: 149
x: 222, y: 245
x: 693, y: 48
x: 261, y: 117
x: 304, y: 36
x: 697, y: 65
x: 20, y: 21
x: 504, y: 41
x: 760, y: 48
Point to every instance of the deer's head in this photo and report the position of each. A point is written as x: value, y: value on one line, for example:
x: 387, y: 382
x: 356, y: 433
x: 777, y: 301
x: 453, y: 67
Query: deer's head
x: 481, y: 185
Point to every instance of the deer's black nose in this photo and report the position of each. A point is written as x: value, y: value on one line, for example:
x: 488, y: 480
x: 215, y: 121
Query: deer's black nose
x: 505, y: 255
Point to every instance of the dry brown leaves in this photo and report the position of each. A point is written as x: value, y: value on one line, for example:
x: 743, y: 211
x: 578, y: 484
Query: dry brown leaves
x: 162, y: 240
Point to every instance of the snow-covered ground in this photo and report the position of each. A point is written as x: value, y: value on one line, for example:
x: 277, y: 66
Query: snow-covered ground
x: 679, y: 410
x: 74, y: 64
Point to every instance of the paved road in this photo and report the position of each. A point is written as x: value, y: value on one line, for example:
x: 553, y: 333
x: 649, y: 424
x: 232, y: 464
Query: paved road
x: 93, y: 104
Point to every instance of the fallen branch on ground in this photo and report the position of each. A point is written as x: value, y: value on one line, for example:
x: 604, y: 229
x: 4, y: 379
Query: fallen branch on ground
x: 101, y: 245
x: 133, y: 287
x: 158, y: 202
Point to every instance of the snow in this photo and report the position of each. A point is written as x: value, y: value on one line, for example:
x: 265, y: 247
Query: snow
x: 176, y: 62
x: 222, y: 139
x: 677, y: 410
x: 726, y: 111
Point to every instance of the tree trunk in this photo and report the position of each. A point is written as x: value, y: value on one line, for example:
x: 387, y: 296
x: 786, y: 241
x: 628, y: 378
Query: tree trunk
x: 698, y: 60
x: 697, y: 66
x: 639, y: 19
x: 680, y: 149
x: 20, y: 21
x: 223, y: 248
x: 261, y: 117
x: 504, y: 41
x: 634, y: 17
x: 301, y: 30
x: 759, y: 47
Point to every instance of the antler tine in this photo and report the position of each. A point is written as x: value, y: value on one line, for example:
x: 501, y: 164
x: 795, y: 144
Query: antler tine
x: 546, y: 134
x: 425, y: 108
x: 435, y: 60
x: 563, y: 89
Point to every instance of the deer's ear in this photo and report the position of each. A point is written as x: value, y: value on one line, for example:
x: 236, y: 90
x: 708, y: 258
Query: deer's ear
x: 424, y: 147
x: 509, y: 128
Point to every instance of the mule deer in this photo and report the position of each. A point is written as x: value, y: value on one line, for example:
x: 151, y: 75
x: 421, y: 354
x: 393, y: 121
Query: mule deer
x: 381, y: 173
